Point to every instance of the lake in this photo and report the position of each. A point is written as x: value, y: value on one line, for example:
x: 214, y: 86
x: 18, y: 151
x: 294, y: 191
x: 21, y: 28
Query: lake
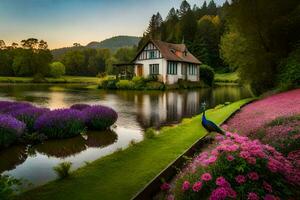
x: 137, y: 110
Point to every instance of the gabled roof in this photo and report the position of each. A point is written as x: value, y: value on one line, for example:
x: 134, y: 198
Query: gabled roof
x: 168, y: 52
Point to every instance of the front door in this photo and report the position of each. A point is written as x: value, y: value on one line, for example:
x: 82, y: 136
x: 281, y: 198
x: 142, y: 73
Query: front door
x: 140, y: 70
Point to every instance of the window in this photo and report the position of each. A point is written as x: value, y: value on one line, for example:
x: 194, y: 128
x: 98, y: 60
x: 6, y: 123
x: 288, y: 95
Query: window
x: 172, y: 68
x: 192, y: 69
x: 154, y: 69
x: 183, y: 69
x: 152, y: 55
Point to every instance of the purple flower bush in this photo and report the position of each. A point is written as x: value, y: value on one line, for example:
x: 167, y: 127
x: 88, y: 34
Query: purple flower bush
x: 61, y: 123
x: 237, y: 168
x: 29, y: 115
x: 10, y: 130
x: 80, y: 106
x: 100, y: 117
x: 13, y: 106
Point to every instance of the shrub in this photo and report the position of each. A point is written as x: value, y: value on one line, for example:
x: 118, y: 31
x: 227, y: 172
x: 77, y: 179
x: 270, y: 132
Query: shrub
x: 61, y: 123
x: 57, y: 69
x: 7, y: 185
x: 151, y: 78
x: 28, y: 115
x: 63, y: 170
x: 150, y: 133
x: 108, y: 84
x: 289, y: 74
x: 238, y: 168
x: 100, y: 117
x: 207, y: 74
x: 10, y: 130
x: 80, y: 106
x: 125, y: 84
x: 39, y: 78
x: 139, y: 82
x: 14, y: 106
x: 152, y: 85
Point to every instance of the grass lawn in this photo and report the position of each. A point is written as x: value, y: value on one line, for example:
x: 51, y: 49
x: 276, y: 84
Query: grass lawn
x: 227, y: 78
x: 63, y: 79
x: 124, y: 173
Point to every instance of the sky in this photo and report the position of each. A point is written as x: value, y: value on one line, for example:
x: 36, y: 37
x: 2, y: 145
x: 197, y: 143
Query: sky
x: 64, y: 22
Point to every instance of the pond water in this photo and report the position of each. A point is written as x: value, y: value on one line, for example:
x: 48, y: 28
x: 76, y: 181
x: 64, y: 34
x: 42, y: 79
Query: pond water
x: 137, y: 111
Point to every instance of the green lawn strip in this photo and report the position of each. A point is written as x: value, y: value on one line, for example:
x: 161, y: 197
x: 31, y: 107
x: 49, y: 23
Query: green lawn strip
x: 227, y: 77
x: 63, y: 79
x: 122, y: 174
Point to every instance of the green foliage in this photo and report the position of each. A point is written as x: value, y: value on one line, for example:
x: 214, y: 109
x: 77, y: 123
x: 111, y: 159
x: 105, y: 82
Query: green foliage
x: 207, y: 74
x: 125, y: 84
x: 259, y: 39
x: 7, y: 137
x: 62, y: 170
x: 7, y: 185
x: 31, y: 59
x: 150, y: 133
x: 289, y: 75
x: 57, y: 69
x: 155, y: 85
x: 88, y: 62
x: 185, y: 84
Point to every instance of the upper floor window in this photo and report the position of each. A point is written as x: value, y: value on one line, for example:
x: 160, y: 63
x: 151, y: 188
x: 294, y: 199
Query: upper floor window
x: 172, y: 68
x: 152, y: 54
x: 154, y: 69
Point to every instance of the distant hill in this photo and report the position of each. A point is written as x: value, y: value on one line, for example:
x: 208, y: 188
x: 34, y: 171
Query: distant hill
x: 111, y: 43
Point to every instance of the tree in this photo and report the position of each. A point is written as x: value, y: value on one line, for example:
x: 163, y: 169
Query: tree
x: 14, y: 45
x: 30, y: 43
x: 2, y: 44
x: 212, y: 8
x: 266, y: 33
x: 76, y: 44
x: 57, y: 69
x: 74, y: 62
x: 43, y: 45
x: 185, y: 7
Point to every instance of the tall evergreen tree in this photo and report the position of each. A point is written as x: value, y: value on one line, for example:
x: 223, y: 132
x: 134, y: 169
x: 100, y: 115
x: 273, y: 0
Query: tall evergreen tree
x: 212, y: 8
x: 185, y: 7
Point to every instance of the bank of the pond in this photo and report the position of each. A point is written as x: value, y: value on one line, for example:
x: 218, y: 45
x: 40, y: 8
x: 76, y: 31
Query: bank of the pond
x: 122, y: 174
x: 63, y: 79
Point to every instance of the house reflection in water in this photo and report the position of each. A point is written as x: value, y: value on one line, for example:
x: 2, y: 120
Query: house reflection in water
x: 166, y: 108
x: 156, y: 109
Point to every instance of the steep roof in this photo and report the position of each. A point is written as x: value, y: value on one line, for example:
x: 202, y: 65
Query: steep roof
x: 169, y: 51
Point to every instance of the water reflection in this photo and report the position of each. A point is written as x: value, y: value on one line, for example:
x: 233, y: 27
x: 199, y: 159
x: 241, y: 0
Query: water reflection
x: 105, y: 138
x: 137, y: 111
x: 12, y: 157
x: 62, y: 148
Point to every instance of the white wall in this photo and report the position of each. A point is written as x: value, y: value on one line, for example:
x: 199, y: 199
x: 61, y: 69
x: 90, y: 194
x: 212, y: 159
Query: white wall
x: 167, y: 78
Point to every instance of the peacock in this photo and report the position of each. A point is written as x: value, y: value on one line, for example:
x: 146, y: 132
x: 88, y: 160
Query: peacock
x: 209, y: 125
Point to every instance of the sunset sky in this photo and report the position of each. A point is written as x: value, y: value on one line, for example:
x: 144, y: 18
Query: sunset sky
x: 63, y: 22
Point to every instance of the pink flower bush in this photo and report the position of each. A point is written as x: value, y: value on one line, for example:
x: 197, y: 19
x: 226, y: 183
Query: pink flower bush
x: 255, y: 115
x: 186, y: 185
x: 232, y: 175
x: 240, y: 179
x: 197, y: 186
x: 206, y: 177
x: 165, y: 186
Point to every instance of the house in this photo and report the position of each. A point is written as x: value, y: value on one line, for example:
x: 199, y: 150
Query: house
x: 170, y: 62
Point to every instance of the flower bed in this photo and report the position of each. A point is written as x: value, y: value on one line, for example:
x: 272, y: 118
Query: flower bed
x: 61, y: 123
x: 10, y: 130
x: 22, y: 118
x: 238, y: 168
x: 282, y: 133
x: 29, y: 115
x: 100, y: 117
x: 253, y: 116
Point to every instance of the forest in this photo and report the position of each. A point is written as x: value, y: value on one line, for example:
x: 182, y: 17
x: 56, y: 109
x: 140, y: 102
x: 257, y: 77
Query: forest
x: 260, y: 39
